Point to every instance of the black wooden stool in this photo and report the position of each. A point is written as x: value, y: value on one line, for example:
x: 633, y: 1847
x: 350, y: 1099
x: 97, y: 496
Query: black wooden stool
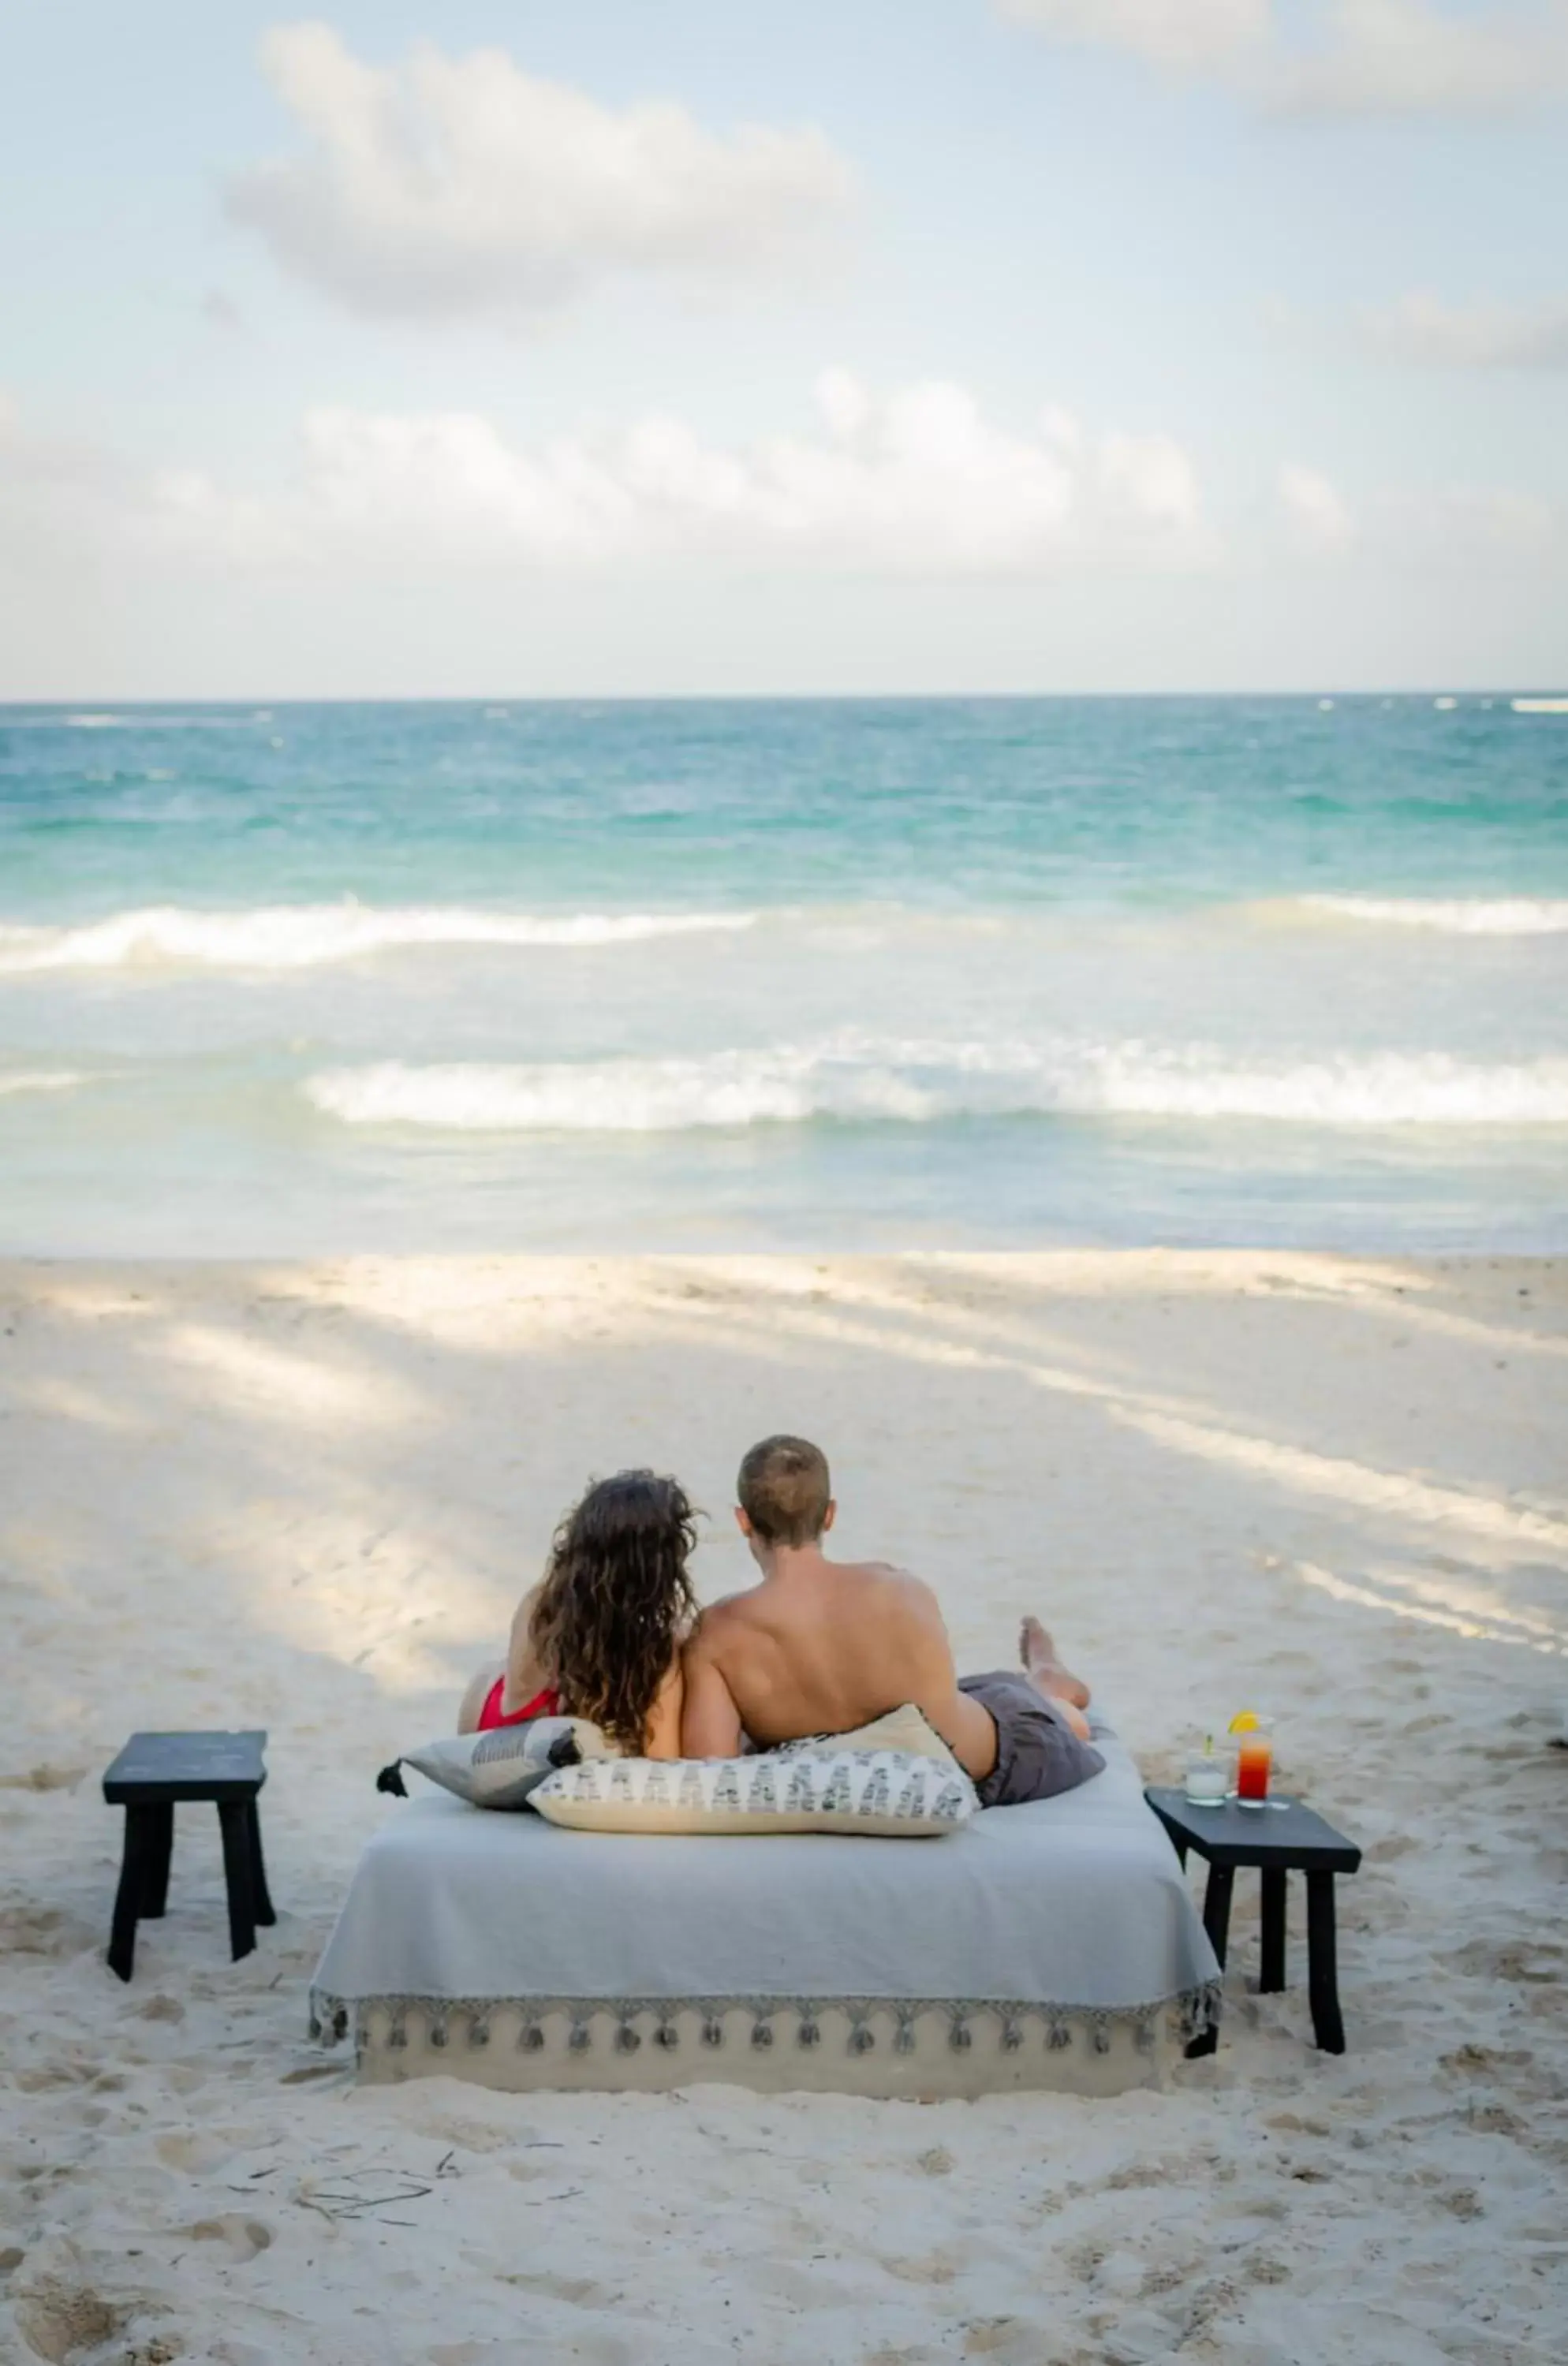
x: 1287, y: 1838
x: 154, y: 1772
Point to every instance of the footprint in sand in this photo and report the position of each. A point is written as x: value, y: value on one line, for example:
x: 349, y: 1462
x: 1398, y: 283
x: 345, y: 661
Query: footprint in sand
x: 44, y: 1778
x: 1009, y: 2339
x: 932, y: 2268
x: 243, y: 2237
x: 162, y: 2008
x: 588, y: 2348
x: 468, y: 2135
x: 39, y: 1930
x: 577, y: 2292
x: 1482, y: 2060
x: 58, y: 2309
x: 41, y: 2076
x: 1137, y: 2173
x: 193, y: 2150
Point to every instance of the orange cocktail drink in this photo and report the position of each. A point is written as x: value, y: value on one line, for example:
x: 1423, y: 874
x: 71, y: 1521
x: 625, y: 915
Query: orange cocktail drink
x: 1253, y: 1759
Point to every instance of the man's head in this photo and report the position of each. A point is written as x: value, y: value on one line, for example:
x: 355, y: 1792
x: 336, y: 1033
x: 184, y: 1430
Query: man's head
x: 786, y: 1496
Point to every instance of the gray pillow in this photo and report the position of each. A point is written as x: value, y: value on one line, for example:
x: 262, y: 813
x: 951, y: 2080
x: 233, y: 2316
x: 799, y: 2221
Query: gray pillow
x: 500, y: 1768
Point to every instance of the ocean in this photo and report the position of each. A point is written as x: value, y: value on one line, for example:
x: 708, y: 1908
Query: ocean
x: 839, y: 975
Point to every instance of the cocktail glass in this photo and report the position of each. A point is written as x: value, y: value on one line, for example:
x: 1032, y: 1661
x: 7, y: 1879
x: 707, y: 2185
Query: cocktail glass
x: 1254, y: 1758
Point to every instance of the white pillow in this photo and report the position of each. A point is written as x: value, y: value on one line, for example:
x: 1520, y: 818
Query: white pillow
x: 502, y: 1767
x: 908, y: 1728
x: 891, y: 1792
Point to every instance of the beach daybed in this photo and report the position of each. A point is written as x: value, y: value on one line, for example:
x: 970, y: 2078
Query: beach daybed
x: 1052, y: 1945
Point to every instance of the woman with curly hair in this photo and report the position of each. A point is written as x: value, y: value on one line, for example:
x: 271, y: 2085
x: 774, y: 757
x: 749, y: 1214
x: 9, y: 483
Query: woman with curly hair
x: 600, y: 1636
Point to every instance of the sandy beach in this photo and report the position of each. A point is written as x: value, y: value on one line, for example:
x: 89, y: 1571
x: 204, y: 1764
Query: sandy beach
x: 307, y: 1497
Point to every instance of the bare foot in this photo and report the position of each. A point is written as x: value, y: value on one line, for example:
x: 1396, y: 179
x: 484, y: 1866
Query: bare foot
x: 1037, y: 1650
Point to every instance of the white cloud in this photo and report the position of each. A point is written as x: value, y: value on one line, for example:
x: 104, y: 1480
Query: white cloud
x: 1480, y: 337
x: 443, y: 558
x: 1452, y: 529
x: 916, y: 482
x: 1460, y: 527
x: 58, y: 497
x: 1060, y: 426
x: 1149, y: 482
x: 843, y: 402
x: 1333, y: 57
x: 1318, y: 519
x: 1405, y: 57
x: 914, y: 487
x: 1184, y: 35
x: 457, y: 184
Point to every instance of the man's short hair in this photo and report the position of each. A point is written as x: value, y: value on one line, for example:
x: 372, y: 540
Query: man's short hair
x: 785, y: 1490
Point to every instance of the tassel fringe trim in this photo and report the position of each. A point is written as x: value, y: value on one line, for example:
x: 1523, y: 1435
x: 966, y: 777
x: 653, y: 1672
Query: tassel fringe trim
x: 624, y: 2023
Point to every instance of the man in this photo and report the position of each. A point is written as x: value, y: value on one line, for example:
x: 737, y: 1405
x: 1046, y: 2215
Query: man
x: 822, y: 1647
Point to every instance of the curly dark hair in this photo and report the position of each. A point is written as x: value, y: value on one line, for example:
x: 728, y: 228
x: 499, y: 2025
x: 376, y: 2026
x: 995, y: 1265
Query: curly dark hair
x: 617, y: 1602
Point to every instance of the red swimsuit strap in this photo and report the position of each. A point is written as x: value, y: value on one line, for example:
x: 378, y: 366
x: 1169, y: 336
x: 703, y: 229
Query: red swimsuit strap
x: 545, y: 1704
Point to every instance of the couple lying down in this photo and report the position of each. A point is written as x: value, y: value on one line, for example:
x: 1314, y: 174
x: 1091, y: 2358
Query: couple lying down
x: 613, y: 1632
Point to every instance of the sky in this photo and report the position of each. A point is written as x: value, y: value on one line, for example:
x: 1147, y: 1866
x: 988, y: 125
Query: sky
x: 505, y: 349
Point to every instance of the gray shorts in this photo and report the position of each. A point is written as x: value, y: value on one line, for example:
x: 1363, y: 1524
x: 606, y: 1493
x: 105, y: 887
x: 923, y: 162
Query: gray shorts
x: 1038, y: 1754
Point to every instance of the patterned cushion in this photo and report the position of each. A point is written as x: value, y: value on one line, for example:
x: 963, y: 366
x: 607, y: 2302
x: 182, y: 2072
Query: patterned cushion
x: 502, y: 1768
x: 891, y: 1792
x: 906, y: 1729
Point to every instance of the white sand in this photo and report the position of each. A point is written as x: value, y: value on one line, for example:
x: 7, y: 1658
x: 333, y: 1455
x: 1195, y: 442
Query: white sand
x: 307, y: 1498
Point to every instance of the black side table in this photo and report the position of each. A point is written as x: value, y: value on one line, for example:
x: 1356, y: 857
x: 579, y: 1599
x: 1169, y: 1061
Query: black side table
x: 1287, y: 1838
x: 154, y: 1772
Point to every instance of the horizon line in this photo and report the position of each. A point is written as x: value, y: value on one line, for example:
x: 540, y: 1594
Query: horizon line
x: 87, y: 703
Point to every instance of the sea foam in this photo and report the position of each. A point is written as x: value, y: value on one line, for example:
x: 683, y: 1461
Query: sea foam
x: 910, y: 1083
x: 1479, y: 916
x: 40, y: 1080
x: 306, y: 936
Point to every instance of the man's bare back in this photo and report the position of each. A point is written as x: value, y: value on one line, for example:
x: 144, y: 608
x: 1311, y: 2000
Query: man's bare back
x: 821, y: 1646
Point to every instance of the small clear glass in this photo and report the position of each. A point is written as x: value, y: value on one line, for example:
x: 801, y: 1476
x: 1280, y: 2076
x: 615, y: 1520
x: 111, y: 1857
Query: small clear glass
x: 1207, y: 1777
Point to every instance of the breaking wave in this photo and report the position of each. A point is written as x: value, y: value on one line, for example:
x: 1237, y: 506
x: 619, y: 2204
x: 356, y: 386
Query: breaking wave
x: 1505, y: 916
x: 306, y: 936
x: 40, y: 1080
x: 925, y: 1083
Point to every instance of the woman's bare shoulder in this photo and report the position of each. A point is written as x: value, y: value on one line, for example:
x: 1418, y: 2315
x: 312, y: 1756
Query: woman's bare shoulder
x: 663, y: 1737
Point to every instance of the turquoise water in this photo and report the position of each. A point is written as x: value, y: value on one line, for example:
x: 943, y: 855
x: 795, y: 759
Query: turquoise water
x: 847, y: 973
